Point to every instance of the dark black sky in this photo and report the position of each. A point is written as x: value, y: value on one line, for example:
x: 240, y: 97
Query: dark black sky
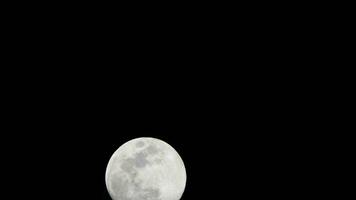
x: 231, y: 147
x: 234, y: 89
x: 236, y: 140
x: 228, y: 102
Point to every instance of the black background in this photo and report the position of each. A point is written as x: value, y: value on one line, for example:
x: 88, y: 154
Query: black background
x: 236, y: 128
x: 224, y: 91
x: 235, y: 140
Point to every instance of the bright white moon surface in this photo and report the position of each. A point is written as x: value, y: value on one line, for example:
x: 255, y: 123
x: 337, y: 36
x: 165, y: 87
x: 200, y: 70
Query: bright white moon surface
x: 145, y: 169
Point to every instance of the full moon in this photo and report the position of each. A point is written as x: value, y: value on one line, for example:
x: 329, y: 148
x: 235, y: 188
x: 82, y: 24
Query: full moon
x: 145, y: 169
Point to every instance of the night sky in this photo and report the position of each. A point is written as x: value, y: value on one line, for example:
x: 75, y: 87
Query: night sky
x: 242, y: 92
x: 233, y: 140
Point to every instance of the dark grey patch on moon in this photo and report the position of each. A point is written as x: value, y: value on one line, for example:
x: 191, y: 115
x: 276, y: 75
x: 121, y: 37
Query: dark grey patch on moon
x: 137, y: 186
x: 120, y: 188
x: 158, y: 160
x: 140, y: 160
x: 150, y: 194
x: 127, y: 165
x: 152, y: 149
x: 140, y: 144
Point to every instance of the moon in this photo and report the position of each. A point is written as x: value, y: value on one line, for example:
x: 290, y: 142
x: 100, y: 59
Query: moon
x: 145, y: 169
